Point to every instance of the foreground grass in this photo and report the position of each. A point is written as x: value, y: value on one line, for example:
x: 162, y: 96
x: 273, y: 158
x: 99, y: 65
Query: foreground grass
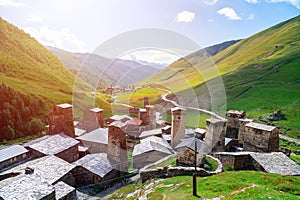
x: 295, y: 158
x: 229, y: 185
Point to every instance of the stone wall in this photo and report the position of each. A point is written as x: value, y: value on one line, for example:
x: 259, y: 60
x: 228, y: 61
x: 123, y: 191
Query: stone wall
x: 163, y: 172
x: 93, y: 119
x: 186, y: 156
x: 236, y: 160
x: 233, y: 123
x: 12, y: 161
x: 70, y: 155
x: 215, y: 134
x: 94, y: 147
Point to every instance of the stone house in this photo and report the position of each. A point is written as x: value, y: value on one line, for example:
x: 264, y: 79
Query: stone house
x: 95, y: 169
x: 95, y: 141
x: 200, y: 133
x: 43, y: 181
x: 134, y: 128
x: 235, y: 160
x: 260, y: 138
x: 10, y: 155
x: 59, y: 145
x: 186, y: 151
x: 149, y: 151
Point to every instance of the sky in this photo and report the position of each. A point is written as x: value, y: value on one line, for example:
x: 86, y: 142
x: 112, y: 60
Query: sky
x: 82, y: 25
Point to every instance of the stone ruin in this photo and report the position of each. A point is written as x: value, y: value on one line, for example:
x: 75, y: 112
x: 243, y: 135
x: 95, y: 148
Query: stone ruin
x: 178, y: 125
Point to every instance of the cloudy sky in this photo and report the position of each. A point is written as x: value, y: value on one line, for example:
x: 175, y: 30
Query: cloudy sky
x: 82, y: 25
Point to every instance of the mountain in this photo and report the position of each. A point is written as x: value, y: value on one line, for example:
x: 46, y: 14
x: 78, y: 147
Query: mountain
x: 111, y: 71
x: 260, y: 74
x: 31, y: 80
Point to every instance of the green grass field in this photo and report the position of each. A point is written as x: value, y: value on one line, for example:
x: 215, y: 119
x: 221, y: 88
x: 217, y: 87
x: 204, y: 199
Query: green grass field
x: 228, y: 185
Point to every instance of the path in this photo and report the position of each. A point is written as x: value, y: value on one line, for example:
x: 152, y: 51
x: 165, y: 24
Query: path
x: 297, y: 141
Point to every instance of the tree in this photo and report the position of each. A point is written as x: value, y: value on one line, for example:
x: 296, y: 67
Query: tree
x: 36, y: 126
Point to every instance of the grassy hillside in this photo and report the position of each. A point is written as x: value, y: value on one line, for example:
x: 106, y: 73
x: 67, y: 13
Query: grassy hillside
x: 36, y: 77
x: 227, y: 185
x: 261, y: 74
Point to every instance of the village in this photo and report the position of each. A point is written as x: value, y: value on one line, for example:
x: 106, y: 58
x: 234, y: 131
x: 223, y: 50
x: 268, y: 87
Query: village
x: 103, y: 152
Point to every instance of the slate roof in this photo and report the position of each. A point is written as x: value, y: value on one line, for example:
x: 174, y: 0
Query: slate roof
x: 47, y: 171
x: 64, y: 105
x: 157, y: 140
x: 52, y: 144
x: 149, y: 146
x: 277, y: 163
x: 190, y: 143
x: 96, y: 110
x: 50, y: 168
x: 134, y: 121
x: 99, y: 135
x: 120, y: 117
x: 148, y: 133
x: 260, y: 126
x: 62, y: 189
x: 97, y: 163
x: 26, y: 187
x: 12, y: 151
x: 200, y: 130
x: 79, y: 132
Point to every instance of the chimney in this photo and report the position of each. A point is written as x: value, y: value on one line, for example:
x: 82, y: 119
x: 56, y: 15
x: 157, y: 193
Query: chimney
x: 178, y: 125
x: 117, y: 149
x: 61, y: 120
x: 93, y: 119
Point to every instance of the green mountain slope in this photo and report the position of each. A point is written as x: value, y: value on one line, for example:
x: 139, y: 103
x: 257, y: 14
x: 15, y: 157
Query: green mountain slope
x: 32, y: 79
x: 260, y: 74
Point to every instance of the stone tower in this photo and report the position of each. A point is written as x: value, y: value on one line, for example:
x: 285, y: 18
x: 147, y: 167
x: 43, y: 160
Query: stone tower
x: 215, y: 134
x: 233, y: 123
x: 61, y: 120
x: 242, y: 129
x: 93, y: 119
x: 116, y: 148
x: 143, y: 115
x: 178, y: 125
x: 151, y: 117
x: 146, y: 101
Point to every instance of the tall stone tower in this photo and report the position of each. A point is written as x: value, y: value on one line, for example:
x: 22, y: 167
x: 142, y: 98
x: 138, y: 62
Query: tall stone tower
x: 151, y: 117
x: 146, y: 101
x: 215, y: 134
x: 143, y: 115
x: 178, y: 125
x: 233, y: 123
x: 93, y: 119
x: 242, y: 129
x: 117, y: 148
x: 61, y: 120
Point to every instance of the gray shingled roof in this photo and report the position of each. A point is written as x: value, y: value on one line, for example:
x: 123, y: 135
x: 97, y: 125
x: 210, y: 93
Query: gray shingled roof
x: 12, y: 151
x: 97, y: 163
x: 260, y: 126
x: 152, y: 132
x: 190, y: 143
x: 100, y: 135
x: 157, y: 140
x: 52, y: 144
x: 62, y: 189
x: 50, y: 168
x: 149, y: 146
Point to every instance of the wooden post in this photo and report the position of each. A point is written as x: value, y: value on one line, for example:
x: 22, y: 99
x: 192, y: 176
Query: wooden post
x: 195, y: 172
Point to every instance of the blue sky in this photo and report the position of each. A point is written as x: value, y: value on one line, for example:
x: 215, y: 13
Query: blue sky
x: 80, y: 26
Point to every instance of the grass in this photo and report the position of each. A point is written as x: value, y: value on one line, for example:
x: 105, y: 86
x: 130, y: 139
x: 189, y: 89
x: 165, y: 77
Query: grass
x: 20, y: 140
x: 230, y: 185
x: 289, y: 145
x: 295, y: 158
x: 136, y: 98
x: 213, y: 165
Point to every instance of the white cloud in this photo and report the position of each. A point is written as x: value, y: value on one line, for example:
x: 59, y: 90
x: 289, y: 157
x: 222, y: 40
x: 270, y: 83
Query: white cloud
x: 229, y: 13
x: 11, y: 3
x: 252, y: 1
x: 211, y: 2
x: 185, y: 16
x: 33, y: 18
x: 62, y: 39
x: 251, y: 16
x: 295, y: 3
